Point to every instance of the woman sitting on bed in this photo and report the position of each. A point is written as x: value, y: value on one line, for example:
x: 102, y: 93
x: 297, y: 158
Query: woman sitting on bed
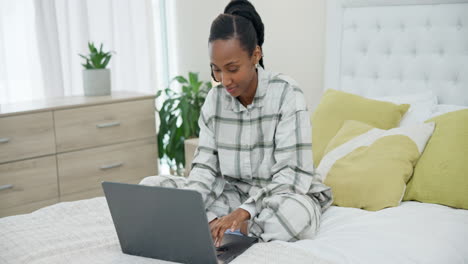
x: 253, y: 165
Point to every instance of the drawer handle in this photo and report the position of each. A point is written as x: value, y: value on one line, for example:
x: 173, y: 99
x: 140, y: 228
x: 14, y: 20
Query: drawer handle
x: 6, y: 186
x: 104, y: 125
x: 4, y: 140
x: 111, y: 166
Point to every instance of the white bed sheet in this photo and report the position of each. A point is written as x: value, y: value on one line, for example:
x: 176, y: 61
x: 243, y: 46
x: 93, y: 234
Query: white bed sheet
x: 82, y: 232
x: 410, y: 233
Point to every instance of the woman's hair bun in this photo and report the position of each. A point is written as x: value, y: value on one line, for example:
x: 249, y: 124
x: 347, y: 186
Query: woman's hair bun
x: 246, y: 10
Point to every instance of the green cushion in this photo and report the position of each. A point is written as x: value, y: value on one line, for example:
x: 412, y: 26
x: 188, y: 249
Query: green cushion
x: 441, y: 174
x: 335, y: 107
x: 368, y: 168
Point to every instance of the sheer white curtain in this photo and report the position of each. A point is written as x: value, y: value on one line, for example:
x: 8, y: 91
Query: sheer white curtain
x: 20, y: 71
x: 40, y: 58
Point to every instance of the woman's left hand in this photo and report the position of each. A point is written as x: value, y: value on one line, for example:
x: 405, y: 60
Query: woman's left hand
x: 232, y: 221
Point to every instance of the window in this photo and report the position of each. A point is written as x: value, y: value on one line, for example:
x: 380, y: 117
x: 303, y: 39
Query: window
x: 20, y: 70
x: 40, y: 42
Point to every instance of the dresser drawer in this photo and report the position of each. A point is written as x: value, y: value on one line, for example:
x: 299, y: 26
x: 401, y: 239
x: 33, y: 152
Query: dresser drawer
x: 26, y: 136
x: 84, y: 170
x: 92, y: 126
x: 28, y: 181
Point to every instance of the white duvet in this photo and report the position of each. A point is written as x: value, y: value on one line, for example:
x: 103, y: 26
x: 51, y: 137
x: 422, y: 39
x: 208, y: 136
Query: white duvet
x: 82, y: 232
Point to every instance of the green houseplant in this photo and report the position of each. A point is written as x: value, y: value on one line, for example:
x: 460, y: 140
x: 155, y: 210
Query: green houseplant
x: 178, y: 117
x: 96, y: 78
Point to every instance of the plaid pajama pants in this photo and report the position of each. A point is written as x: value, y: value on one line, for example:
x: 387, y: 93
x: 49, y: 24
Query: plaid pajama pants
x: 283, y: 216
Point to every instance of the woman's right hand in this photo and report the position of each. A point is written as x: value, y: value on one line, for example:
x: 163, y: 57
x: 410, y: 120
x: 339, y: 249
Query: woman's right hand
x: 233, y: 221
x: 213, y: 222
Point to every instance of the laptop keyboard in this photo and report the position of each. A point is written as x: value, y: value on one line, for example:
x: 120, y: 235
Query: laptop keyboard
x: 221, y: 250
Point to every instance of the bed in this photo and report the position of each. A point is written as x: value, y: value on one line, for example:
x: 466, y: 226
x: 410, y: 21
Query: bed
x: 375, y: 48
x: 82, y: 232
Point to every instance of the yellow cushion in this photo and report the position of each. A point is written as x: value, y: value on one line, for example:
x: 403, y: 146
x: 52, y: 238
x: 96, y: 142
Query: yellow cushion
x: 335, y: 107
x: 367, y: 167
x: 441, y: 175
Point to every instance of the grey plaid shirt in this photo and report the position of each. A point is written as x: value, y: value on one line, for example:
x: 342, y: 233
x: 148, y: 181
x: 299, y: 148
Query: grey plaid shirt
x: 263, y: 149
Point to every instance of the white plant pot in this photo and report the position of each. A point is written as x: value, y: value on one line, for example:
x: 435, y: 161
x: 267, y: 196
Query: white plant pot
x: 96, y: 82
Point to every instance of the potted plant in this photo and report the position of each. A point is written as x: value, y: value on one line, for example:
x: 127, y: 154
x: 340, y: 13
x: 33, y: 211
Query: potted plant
x: 178, y: 116
x: 96, y: 78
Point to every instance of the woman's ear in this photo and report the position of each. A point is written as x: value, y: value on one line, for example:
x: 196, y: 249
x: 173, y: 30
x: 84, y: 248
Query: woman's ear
x: 257, y: 54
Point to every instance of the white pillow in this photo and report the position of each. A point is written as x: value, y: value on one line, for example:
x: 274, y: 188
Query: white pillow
x: 444, y: 108
x: 422, y: 106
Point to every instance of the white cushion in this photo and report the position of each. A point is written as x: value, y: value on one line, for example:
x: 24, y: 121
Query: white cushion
x: 422, y: 106
x: 445, y: 108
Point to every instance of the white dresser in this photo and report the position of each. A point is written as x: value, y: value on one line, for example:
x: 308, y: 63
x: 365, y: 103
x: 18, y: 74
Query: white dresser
x: 61, y: 149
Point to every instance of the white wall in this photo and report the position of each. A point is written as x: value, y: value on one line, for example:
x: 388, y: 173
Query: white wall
x: 294, y: 39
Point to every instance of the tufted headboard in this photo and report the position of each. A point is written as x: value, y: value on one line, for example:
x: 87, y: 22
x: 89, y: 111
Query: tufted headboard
x: 394, y: 47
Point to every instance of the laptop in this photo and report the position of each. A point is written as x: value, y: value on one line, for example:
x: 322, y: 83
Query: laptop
x: 168, y: 224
